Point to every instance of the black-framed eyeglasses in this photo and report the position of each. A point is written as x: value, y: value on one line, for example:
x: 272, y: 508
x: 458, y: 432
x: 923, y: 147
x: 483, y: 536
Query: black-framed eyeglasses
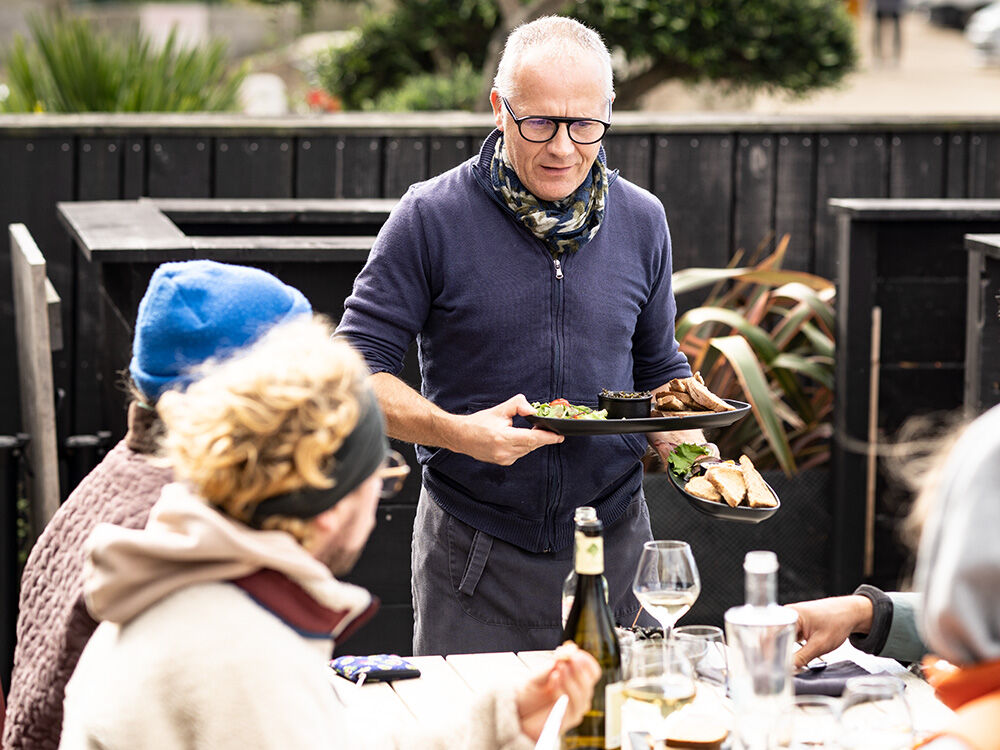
x: 539, y: 129
x: 393, y: 473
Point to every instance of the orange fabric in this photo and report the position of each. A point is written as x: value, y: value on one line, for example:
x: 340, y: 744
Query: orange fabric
x: 974, y: 693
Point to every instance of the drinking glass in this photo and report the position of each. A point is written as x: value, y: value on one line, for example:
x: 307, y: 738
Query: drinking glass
x: 707, y: 648
x: 658, y: 682
x: 666, y: 581
x: 875, y: 714
x: 811, y: 721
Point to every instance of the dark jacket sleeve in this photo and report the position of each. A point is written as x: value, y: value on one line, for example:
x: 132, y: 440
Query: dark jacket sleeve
x: 392, y: 294
x: 894, y: 632
x: 657, y: 357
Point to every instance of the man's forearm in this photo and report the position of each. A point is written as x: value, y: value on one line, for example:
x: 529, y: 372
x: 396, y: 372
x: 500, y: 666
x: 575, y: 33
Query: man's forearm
x: 409, y: 416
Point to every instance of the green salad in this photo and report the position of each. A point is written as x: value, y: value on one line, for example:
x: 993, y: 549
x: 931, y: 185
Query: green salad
x: 560, y: 408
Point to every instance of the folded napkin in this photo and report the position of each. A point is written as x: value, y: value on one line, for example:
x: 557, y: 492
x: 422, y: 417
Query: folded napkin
x: 829, y: 680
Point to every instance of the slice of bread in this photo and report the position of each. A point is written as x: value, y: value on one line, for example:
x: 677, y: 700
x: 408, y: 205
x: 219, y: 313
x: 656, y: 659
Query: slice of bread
x: 685, y: 399
x: 704, y: 397
x: 759, y: 494
x: 669, y: 402
x: 701, y: 487
x: 695, y: 731
x: 728, y: 480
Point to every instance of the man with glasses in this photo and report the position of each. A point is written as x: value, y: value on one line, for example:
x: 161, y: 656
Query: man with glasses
x: 529, y: 273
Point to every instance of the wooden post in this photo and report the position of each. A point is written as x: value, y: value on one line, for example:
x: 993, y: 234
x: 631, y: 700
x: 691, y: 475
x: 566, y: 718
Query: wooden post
x: 32, y: 304
x: 872, y: 468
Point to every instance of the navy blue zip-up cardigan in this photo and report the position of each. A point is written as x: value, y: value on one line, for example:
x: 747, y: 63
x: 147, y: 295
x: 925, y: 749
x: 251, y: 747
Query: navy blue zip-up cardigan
x: 494, y: 315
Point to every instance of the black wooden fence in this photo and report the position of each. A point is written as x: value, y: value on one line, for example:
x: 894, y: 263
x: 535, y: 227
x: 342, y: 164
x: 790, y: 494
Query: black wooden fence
x: 726, y: 182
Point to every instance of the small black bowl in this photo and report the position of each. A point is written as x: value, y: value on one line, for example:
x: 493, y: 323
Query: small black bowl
x: 634, y: 406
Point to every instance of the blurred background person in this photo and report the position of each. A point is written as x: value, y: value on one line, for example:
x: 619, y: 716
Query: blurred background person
x: 219, y: 617
x: 958, y: 571
x: 190, y: 312
x: 955, y: 614
x: 888, y: 13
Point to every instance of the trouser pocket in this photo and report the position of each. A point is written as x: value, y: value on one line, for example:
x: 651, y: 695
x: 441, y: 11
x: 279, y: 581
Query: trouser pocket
x: 475, y: 565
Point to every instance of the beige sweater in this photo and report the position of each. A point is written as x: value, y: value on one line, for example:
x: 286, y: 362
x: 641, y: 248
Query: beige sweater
x: 206, y: 666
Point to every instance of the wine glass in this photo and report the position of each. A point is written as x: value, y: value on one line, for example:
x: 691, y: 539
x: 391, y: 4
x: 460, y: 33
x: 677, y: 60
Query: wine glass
x: 658, y: 682
x: 875, y: 714
x: 707, y: 647
x: 811, y: 721
x: 666, y: 581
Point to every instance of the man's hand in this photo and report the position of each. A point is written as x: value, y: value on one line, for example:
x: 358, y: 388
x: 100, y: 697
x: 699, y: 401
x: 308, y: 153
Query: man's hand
x: 490, y: 436
x: 575, y: 673
x: 664, y: 442
x: 826, y: 623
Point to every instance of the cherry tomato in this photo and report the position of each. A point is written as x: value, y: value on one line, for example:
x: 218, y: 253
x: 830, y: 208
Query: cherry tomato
x: 559, y: 401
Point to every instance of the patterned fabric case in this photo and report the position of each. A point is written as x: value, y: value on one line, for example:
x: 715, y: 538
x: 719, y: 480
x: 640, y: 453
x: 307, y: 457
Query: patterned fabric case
x: 375, y: 668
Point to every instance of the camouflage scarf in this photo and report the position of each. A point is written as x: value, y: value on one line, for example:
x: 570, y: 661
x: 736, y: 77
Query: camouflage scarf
x: 566, y: 225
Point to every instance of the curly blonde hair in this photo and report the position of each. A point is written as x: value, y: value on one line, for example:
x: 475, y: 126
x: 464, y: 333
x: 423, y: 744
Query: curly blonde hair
x: 266, y: 420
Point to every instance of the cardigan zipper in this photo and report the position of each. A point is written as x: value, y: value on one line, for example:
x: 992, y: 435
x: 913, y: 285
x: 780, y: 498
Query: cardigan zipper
x: 555, y: 483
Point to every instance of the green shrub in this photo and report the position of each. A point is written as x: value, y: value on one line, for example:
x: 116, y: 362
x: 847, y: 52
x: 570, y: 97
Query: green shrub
x: 793, y: 46
x: 458, y: 89
x: 69, y: 66
x: 417, y: 37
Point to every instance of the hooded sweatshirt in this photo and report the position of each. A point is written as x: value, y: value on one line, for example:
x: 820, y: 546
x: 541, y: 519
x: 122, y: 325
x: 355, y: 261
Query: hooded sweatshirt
x: 958, y: 569
x: 216, y: 635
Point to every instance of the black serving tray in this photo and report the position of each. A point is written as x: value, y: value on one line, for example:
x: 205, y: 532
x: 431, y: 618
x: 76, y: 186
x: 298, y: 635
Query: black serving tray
x: 642, y: 424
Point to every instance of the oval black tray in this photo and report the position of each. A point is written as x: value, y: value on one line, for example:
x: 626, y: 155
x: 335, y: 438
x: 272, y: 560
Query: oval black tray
x: 741, y: 513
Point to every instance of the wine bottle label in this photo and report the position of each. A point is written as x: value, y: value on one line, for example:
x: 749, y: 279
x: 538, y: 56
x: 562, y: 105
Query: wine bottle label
x: 589, y: 554
x: 614, y: 697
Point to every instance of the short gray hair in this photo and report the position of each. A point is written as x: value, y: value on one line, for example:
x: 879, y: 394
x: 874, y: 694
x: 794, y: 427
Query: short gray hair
x: 554, y: 33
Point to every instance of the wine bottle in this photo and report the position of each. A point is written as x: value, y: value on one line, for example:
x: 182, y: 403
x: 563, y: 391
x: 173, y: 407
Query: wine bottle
x: 583, y: 513
x: 760, y: 635
x: 591, y: 626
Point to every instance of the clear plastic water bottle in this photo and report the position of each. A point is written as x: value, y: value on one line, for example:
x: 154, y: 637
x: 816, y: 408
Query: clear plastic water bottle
x: 583, y: 514
x: 761, y: 635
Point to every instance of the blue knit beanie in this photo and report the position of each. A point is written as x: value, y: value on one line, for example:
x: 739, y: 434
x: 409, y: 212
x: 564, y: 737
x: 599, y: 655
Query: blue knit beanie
x: 199, y: 309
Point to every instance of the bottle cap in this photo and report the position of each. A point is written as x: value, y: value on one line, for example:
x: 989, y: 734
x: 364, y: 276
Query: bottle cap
x: 584, y: 514
x: 760, y: 561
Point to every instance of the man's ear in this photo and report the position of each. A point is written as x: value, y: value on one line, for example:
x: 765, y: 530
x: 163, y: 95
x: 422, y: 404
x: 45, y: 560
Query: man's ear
x: 497, y: 109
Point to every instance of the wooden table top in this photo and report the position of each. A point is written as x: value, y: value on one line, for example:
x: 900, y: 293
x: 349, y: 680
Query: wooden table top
x: 448, y: 683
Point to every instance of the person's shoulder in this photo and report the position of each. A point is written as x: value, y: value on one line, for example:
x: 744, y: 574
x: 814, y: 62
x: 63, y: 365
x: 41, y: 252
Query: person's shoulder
x: 633, y: 195
x: 448, y: 187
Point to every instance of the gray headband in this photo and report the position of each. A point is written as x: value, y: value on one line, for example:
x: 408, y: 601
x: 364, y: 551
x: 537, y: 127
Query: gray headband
x: 360, y: 455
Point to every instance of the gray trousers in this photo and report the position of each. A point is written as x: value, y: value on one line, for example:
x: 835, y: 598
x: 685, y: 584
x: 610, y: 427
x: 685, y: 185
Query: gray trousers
x: 474, y: 593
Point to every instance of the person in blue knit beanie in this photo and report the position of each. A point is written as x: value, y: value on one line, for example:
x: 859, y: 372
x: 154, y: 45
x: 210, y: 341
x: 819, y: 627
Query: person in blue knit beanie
x: 191, y: 311
x: 198, y: 309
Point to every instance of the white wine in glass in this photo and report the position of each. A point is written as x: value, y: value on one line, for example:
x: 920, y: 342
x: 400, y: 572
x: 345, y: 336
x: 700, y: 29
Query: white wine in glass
x: 666, y: 582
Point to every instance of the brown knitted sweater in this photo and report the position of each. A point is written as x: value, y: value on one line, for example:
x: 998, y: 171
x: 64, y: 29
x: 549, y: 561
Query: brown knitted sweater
x: 53, y: 625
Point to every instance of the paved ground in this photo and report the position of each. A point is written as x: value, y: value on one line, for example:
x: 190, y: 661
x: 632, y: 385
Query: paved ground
x: 938, y: 74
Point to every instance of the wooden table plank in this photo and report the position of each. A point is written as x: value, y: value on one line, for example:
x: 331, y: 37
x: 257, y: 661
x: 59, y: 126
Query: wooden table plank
x: 481, y: 671
x: 536, y: 661
x: 437, y: 691
x: 373, y: 699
